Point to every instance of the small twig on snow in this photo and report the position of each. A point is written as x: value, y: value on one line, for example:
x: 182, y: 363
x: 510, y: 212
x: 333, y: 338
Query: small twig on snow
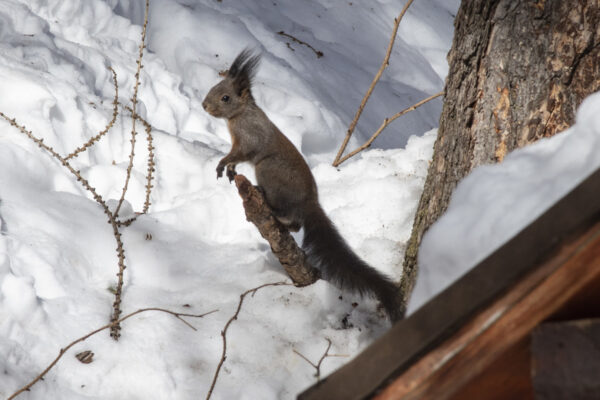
x: 134, y: 101
x: 317, y: 366
x: 109, y: 325
x: 149, y: 171
x: 115, y: 328
x: 111, y: 217
x: 110, y: 124
x: 317, y: 52
x: 224, y: 331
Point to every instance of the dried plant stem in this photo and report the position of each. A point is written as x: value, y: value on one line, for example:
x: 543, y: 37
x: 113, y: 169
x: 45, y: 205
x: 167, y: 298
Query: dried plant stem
x: 295, y: 39
x: 151, y: 163
x: 151, y: 166
x: 383, y: 125
x: 326, y: 354
x: 81, y: 339
x: 110, y: 124
x: 129, y: 168
x: 363, y: 103
x: 111, y: 217
x: 149, y: 172
x: 134, y: 107
x: 224, y: 331
x: 115, y: 327
x: 64, y: 162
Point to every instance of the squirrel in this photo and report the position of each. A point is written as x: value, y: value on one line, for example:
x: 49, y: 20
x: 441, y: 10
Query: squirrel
x: 288, y: 185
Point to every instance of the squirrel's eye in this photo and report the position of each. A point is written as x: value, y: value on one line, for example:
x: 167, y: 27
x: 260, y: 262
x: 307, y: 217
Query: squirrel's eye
x: 225, y: 99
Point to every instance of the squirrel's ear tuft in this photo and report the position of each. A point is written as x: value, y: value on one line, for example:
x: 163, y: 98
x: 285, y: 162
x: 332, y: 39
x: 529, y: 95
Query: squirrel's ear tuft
x: 243, y: 69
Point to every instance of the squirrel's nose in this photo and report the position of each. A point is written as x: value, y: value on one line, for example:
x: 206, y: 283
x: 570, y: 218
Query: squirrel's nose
x: 204, y: 105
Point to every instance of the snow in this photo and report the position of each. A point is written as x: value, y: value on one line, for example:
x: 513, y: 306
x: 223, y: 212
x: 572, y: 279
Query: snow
x: 194, y: 247
x: 495, y: 202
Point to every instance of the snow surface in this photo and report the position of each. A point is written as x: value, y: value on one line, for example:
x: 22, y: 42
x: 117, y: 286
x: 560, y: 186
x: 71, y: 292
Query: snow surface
x: 495, y: 202
x: 57, y: 253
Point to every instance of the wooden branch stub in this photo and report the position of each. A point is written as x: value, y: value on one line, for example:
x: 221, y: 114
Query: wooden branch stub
x: 283, y: 245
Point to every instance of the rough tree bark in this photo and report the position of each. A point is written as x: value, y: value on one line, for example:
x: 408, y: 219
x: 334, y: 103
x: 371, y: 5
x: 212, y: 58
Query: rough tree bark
x: 518, y: 70
x: 283, y: 245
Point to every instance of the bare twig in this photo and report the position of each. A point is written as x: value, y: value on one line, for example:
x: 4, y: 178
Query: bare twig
x: 151, y: 164
x: 149, y: 172
x: 128, y: 221
x: 283, y: 245
x: 111, y: 218
x: 115, y: 328
x: 317, y: 52
x: 326, y: 354
x: 110, y: 124
x: 109, y: 325
x: 134, y: 106
x: 383, y: 125
x: 224, y: 331
x: 384, y: 65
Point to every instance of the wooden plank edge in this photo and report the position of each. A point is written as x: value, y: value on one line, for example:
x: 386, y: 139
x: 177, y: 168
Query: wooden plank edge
x: 411, y: 339
x: 508, y: 320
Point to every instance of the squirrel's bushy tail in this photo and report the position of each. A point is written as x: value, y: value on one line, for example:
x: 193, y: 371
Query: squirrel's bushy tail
x: 329, y: 252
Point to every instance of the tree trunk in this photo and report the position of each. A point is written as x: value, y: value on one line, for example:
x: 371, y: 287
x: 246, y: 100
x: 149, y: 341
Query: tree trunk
x: 518, y: 70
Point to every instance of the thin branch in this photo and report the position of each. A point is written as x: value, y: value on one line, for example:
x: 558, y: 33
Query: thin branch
x: 110, y: 124
x: 151, y: 163
x: 326, y: 354
x: 383, y: 125
x: 224, y: 331
x: 128, y: 221
x: 115, y: 328
x: 317, y: 52
x: 373, y: 83
x: 134, y: 106
x: 111, y: 217
x: 109, y: 325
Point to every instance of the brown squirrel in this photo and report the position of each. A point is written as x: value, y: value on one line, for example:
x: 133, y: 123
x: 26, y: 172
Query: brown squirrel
x: 288, y: 184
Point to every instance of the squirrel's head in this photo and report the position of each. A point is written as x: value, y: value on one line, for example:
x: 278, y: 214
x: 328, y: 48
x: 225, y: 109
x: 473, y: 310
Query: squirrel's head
x: 229, y: 97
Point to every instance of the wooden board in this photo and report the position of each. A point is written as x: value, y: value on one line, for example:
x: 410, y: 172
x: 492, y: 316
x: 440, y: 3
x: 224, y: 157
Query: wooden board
x: 483, y: 314
x: 510, y: 319
x: 566, y: 360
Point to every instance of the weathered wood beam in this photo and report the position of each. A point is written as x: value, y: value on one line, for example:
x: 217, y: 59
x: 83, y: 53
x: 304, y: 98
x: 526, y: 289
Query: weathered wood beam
x: 566, y: 360
x: 443, y: 371
x: 455, y: 336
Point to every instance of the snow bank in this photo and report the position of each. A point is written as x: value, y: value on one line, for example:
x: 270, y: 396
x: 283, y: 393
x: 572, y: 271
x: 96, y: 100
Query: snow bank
x: 194, y: 247
x: 495, y: 202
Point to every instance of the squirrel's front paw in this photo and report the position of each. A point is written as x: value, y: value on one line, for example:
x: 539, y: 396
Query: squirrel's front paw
x: 220, y: 169
x: 231, y: 172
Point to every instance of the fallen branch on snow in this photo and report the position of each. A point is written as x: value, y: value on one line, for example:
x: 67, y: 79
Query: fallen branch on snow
x: 326, y: 354
x: 109, y: 325
x: 224, y: 331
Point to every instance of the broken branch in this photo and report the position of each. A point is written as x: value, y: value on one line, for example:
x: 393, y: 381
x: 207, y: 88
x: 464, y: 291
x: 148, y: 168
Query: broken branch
x: 224, y: 331
x: 384, y: 125
x: 384, y: 64
x: 282, y: 243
